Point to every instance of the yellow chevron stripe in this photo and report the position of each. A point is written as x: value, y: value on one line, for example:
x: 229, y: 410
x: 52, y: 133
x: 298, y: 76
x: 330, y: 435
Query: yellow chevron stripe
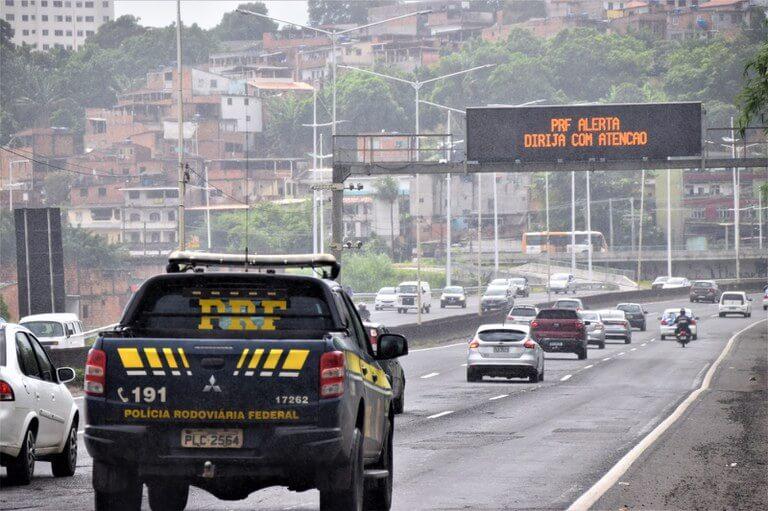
x: 257, y: 353
x: 242, y: 358
x: 295, y: 360
x: 168, y: 352
x: 272, y: 359
x: 130, y: 358
x: 183, y: 357
x: 153, y: 358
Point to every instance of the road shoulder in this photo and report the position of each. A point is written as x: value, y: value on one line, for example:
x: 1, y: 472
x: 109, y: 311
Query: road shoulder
x: 715, y: 456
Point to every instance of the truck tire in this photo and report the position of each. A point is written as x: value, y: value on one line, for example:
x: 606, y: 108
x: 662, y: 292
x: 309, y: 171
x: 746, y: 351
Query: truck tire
x: 167, y: 496
x: 126, y: 500
x: 64, y: 464
x: 582, y: 354
x: 398, y: 404
x: 473, y: 376
x: 22, y: 467
x: 351, y: 497
x: 378, y: 493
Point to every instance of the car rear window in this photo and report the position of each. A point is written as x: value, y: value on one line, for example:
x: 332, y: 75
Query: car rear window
x: 523, y: 311
x: 387, y: 290
x: 703, y: 283
x: 231, y: 307
x: 732, y: 297
x: 567, y: 304
x: 2, y: 345
x: 45, y: 328
x: 501, y: 335
x: 558, y: 314
x: 629, y: 308
x: 590, y: 316
x: 613, y: 314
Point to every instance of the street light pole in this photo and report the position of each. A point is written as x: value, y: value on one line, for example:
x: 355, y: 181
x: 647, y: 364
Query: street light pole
x: 479, y: 241
x: 589, y: 231
x: 736, y: 216
x: 640, y: 233
x: 448, y: 208
x: 180, y: 107
x: 495, y: 228
x: 573, y: 222
x: 669, y: 223
x: 314, y: 168
x: 549, y: 264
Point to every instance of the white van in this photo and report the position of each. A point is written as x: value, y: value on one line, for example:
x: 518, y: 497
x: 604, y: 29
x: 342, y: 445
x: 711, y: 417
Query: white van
x: 57, y: 330
x: 407, y: 297
x: 735, y: 302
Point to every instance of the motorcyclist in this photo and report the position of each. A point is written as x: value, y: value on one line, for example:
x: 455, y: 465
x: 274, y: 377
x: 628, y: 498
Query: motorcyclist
x: 683, y: 322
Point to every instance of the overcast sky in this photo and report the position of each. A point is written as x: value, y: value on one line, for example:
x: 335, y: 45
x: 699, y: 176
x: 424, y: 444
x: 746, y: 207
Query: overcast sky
x: 206, y: 13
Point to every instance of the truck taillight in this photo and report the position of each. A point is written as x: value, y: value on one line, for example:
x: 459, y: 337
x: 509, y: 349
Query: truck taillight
x: 95, y: 372
x: 332, y: 374
x: 374, y: 335
x: 6, y: 392
x: 534, y: 324
x: 579, y: 325
x: 529, y: 344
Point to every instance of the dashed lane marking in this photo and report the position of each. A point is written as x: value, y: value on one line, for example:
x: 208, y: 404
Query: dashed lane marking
x: 463, y: 365
x: 644, y: 344
x: 620, y: 354
x: 633, y: 349
x: 438, y: 347
x: 430, y: 375
x: 441, y: 414
x: 566, y: 377
x: 653, y: 339
x: 606, y: 359
x: 502, y: 396
x: 590, y: 366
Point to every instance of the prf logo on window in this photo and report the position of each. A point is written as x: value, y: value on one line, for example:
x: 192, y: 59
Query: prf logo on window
x: 239, y: 313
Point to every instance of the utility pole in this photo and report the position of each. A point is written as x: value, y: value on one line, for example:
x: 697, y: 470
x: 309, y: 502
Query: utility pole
x: 549, y: 263
x: 207, y: 207
x: 448, y: 207
x: 418, y: 251
x: 495, y: 228
x: 610, y: 220
x: 479, y: 242
x: 180, y: 107
x: 640, y: 237
x: 760, y: 219
x: 573, y: 222
x: 669, y: 223
x: 632, y: 222
x: 314, y: 168
x: 736, y: 216
x: 589, y: 231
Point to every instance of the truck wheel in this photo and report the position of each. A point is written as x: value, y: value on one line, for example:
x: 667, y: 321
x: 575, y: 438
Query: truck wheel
x: 398, y: 404
x: 627, y: 340
x: 642, y: 327
x: 168, y: 496
x: 64, y: 464
x: 582, y: 354
x: 351, y: 497
x: 663, y: 337
x: 473, y: 376
x: 126, y: 500
x: 22, y: 467
x: 378, y: 493
x: 602, y: 345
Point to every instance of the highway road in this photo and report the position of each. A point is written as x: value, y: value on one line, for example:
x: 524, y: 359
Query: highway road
x: 497, y: 444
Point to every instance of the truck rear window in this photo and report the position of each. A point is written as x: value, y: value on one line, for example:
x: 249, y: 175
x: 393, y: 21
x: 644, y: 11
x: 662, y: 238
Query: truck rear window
x: 558, y: 314
x: 221, y: 309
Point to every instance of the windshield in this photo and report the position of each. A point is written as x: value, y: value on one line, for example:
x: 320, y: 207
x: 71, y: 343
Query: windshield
x: 517, y: 282
x: 454, y: 290
x: 590, y: 316
x: 660, y: 280
x: 496, y: 291
x: 560, y: 276
x: 45, y: 328
x: 732, y: 297
x: 703, y: 283
x: 523, y: 311
x: 409, y: 289
x: 629, y: 308
x: 387, y: 291
x: 501, y: 335
x: 499, y: 282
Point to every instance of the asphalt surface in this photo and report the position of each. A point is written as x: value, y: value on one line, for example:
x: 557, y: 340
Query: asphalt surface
x: 498, y: 444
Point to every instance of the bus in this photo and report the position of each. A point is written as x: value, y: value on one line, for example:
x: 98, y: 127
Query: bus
x: 560, y: 241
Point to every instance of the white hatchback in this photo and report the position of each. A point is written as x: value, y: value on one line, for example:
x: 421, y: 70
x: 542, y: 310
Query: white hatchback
x: 38, y: 415
x: 667, y: 324
x: 735, y: 302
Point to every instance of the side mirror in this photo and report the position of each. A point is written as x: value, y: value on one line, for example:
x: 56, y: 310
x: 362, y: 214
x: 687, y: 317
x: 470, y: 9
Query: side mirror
x: 645, y: 311
x: 65, y: 374
x: 587, y: 323
x: 391, y: 346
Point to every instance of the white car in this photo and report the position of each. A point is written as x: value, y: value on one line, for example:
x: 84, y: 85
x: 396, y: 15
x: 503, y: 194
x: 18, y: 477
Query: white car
x: 735, y: 302
x: 505, y: 351
x: 408, y: 297
x: 765, y: 299
x: 667, y: 325
x: 56, y: 330
x: 676, y: 283
x: 521, y: 315
x: 562, y: 283
x: 38, y: 415
x: 386, y: 298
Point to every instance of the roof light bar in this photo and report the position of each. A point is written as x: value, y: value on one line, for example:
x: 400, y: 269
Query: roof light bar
x: 181, y: 261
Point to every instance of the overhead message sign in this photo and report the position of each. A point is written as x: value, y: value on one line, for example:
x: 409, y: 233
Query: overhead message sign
x: 654, y: 131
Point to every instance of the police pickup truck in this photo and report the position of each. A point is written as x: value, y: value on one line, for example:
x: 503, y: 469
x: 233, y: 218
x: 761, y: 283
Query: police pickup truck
x: 234, y: 381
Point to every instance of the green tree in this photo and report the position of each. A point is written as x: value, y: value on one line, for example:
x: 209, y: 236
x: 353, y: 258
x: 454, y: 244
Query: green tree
x: 286, y: 116
x: 325, y: 12
x: 753, y: 98
x: 368, y: 104
x: 4, y: 312
x: 111, y: 35
x: 388, y: 190
x: 56, y: 187
x: 6, y: 34
x: 90, y: 250
x: 367, y: 272
x: 235, y: 26
x: 271, y: 229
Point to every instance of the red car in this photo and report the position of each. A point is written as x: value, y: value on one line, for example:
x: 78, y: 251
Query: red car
x: 560, y: 331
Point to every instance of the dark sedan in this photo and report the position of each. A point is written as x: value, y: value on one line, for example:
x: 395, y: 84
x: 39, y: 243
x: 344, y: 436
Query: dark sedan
x: 391, y: 367
x: 635, y: 314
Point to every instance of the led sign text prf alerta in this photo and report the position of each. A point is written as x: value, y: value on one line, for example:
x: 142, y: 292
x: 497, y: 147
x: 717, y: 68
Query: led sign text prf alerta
x: 585, y: 132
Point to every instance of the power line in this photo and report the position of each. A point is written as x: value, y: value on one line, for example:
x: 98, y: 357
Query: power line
x: 209, y: 185
x: 48, y: 164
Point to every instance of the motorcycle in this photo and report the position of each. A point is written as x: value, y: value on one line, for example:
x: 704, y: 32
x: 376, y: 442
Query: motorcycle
x: 365, y: 313
x: 683, y: 335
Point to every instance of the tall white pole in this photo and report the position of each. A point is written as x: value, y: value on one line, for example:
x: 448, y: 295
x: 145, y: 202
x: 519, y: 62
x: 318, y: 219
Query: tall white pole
x: 207, y: 207
x: 418, y: 252
x: 669, y: 223
x: 573, y: 222
x: 180, y: 107
x: 640, y: 233
x: 736, y: 216
x: 314, y: 169
x: 10, y: 186
x: 549, y: 263
x: 321, y: 205
x: 333, y: 70
x: 495, y: 228
x: 760, y: 219
x: 589, y: 230
x: 479, y: 242
x: 448, y: 208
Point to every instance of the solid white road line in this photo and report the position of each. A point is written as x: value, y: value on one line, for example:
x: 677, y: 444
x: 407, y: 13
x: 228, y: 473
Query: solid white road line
x: 566, y: 377
x: 437, y: 347
x: 498, y: 397
x: 588, y: 499
x: 441, y: 414
x: 590, y: 366
x: 430, y: 375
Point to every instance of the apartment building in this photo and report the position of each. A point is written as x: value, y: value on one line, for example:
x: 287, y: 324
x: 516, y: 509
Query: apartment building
x: 47, y: 24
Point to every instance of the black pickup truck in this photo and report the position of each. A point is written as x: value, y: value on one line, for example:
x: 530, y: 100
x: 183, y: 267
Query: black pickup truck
x: 236, y: 381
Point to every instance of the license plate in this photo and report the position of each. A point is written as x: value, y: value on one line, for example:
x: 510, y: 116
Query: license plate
x: 556, y: 344
x: 500, y: 349
x: 212, y: 438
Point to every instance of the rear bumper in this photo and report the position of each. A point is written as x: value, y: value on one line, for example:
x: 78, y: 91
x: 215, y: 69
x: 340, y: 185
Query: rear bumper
x: 552, y: 345
x: 280, y: 454
x: 618, y: 334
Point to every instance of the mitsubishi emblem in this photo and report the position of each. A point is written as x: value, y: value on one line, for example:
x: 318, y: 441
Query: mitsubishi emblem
x: 211, y: 386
